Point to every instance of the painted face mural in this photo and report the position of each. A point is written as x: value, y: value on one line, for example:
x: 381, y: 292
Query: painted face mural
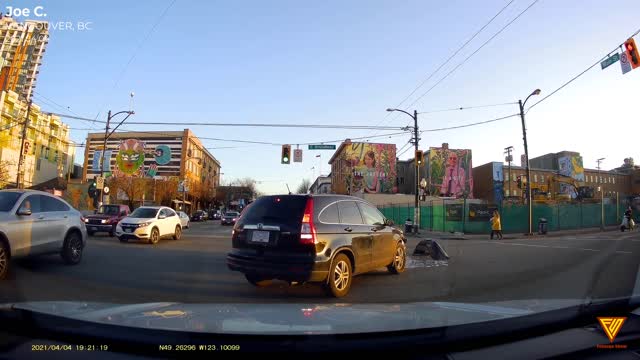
x: 130, y: 156
x: 162, y: 154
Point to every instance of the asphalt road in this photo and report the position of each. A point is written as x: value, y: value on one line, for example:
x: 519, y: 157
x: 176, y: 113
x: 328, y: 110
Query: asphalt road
x: 193, y: 270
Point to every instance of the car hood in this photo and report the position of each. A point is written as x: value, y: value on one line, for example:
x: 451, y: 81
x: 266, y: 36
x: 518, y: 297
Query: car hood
x: 293, y: 319
x: 129, y: 220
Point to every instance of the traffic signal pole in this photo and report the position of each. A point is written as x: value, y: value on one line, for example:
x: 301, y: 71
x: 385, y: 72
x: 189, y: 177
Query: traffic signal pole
x: 416, y: 204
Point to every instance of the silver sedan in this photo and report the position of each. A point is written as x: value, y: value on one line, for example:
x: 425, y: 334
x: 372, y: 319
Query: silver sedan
x: 184, y: 219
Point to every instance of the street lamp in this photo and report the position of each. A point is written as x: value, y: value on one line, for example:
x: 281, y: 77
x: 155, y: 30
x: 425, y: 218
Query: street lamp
x: 107, y: 135
x: 416, y: 209
x: 601, y: 189
x: 526, y: 155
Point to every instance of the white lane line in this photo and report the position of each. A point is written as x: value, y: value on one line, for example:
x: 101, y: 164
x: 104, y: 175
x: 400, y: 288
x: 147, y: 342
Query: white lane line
x: 587, y: 249
x: 560, y: 247
x: 555, y: 247
x: 623, y: 252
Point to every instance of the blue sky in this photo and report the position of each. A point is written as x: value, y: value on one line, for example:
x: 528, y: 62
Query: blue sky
x: 345, y: 62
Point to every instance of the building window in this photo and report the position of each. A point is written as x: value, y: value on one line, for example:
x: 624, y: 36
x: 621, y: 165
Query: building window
x: 507, y: 192
x: 515, y: 192
x: 46, y: 153
x: 506, y: 176
x: 55, y: 156
x: 38, y: 164
x: 614, y: 180
x: 601, y: 182
x: 535, y: 178
x: 513, y: 177
x: 541, y: 178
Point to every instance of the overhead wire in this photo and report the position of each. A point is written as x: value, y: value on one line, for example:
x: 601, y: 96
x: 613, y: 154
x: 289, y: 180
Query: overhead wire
x: 580, y: 74
x: 449, y: 58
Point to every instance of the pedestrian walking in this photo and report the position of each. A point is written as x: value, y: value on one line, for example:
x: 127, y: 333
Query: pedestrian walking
x: 496, y: 225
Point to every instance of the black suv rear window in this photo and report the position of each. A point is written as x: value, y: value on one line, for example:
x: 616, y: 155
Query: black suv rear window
x: 275, y: 210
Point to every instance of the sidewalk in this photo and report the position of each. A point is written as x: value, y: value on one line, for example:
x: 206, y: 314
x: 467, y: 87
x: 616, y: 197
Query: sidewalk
x: 439, y: 235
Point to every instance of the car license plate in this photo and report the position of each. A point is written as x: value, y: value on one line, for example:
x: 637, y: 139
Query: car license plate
x: 128, y: 230
x: 92, y: 228
x: 260, y: 236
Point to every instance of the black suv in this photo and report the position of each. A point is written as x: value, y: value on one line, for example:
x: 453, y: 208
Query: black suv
x: 314, y: 238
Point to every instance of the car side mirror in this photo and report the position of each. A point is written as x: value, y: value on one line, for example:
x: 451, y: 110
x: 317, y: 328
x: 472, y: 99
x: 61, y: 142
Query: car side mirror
x: 388, y: 222
x: 162, y: 217
x: 23, y: 211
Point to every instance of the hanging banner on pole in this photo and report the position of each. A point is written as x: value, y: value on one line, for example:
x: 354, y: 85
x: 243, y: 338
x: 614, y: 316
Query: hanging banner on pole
x: 625, y: 65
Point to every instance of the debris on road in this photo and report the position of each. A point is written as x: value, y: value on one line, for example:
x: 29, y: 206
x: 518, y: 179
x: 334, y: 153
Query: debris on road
x: 431, y: 248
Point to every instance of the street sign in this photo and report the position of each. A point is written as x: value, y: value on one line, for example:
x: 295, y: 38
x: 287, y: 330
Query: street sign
x: 625, y: 65
x: 297, y: 155
x: 322, y: 147
x: 610, y: 60
x: 183, y: 187
x: 99, y: 182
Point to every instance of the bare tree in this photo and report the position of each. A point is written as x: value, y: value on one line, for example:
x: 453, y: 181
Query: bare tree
x: 304, y: 186
x: 4, y: 173
x: 132, y: 187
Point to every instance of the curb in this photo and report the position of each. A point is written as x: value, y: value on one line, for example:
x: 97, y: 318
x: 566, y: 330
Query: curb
x: 460, y: 236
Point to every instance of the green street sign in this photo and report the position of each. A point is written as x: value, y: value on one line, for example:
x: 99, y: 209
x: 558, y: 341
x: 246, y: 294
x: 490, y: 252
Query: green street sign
x: 610, y: 60
x: 322, y: 147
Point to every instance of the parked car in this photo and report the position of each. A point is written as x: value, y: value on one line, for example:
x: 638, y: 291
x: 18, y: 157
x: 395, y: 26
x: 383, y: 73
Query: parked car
x: 150, y: 223
x: 199, y: 215
x: 230, y: 218
x: 184, y: 219
x: 106, y: 218
x: 34, y: 223
x: 314, y: 238
x: 215, y: 215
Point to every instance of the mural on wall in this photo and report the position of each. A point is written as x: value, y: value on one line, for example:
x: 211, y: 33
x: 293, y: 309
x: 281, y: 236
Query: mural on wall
x: 370, y: 168
x: 450, y: 172
x: 498, y: 182
x: 131, y: 157
x: 570, y: 166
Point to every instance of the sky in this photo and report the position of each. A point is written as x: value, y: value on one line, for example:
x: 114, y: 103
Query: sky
x: 344, y: 62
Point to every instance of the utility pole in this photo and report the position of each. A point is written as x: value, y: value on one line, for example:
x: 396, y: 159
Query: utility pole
x: 21, y: 158
x: 509, y: 159
x: 526, y: 155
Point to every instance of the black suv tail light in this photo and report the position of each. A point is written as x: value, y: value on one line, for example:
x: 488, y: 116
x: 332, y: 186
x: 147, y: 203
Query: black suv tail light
x: 308, y: 230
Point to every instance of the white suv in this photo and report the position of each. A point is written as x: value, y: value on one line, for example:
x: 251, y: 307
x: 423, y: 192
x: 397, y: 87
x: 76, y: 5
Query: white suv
x: 34, y: 223
x: 150, y: 223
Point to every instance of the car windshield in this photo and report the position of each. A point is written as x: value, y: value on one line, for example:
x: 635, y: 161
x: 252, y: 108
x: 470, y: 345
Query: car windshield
x: 144, y: 213
x: 109, y: 210
x: 8, y: 200
x: 460, y: 161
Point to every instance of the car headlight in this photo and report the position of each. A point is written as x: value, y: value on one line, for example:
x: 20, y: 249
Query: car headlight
x: 86, y: 220
x: 145, y: 224
x: 104, y: 221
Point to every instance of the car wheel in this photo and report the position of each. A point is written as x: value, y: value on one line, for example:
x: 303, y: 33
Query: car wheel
x: 257, y: 281
x: 177, y: 233
x: 154, y: 237
x: 72, y: 249
x: 340, y: 276
x: 399, y: 260
x: 122, y: 239
x: 4, y: 261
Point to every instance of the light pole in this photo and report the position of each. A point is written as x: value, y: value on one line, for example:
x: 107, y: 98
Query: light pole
x: 601, y: 188
x: 107, y: 135
x: 526, y: 155
x: 509, y: 159
x: 416, y: 139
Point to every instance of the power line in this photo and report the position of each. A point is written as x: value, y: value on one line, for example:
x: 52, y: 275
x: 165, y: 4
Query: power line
x: 581, y: 73
x: 306, y: 126
x: 67, y: 116
x: 467, y: 108
x: 469, y: 125
x: 449, y: 59
x: 473, y: 53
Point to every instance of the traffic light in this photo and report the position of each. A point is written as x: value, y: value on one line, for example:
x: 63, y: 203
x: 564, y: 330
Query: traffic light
x: 632, y: 53
x: 286, y: 154
x: 419, y: 157
x: 93, y: 190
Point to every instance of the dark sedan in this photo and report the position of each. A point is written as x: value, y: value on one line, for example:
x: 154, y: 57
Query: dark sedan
x: 230, y: 218
x: 199, y: 216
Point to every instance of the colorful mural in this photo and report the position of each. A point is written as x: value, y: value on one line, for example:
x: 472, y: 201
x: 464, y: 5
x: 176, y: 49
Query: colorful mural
x: 131, y: 157
x: 450, y: 172
x: 570, y: 166
x: 370, y: 168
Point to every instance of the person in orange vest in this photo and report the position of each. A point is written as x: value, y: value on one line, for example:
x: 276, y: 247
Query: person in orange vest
x: 496, y: 225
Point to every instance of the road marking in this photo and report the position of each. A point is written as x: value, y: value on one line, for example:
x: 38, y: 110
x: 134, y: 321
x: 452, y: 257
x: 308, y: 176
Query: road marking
x: 555, y: 247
